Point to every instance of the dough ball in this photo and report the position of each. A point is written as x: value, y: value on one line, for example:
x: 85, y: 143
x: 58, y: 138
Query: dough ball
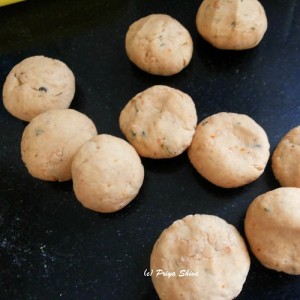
x: 229, y: 149
x: 159, y: 45
x: 38, y: 84
x: 199, y: 257
x: 159, y: 122
x: 286, y: 159
x: 107, y: 173
x: 232, y: 25
x: 50, y: 141
x: 272, y: 227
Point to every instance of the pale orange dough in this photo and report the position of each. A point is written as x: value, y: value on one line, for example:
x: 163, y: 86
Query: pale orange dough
x: 50, y: 141
x: 159, y: 45
x: 159, y: 122
x: 272, y: 227
x: 38, y: 84
x: 229, y: 149
x: 199, y: 257
x: 107, y: 173
x: 232, y: 25
x: 286, y: 159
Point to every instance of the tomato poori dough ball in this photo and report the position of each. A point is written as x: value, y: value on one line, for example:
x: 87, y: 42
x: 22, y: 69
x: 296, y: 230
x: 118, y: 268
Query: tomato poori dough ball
x: 232, y: 25
x: 107, y: 173
x: 50, y: 141
x: 272, y: 228
x: 159, y: 44
x: 38, y: 84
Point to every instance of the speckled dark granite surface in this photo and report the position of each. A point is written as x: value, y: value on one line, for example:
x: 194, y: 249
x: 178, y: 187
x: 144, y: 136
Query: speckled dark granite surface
x: 53, y: 248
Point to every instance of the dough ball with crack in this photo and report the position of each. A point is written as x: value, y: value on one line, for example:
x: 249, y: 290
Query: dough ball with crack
x: 199, y: 257
x: 159, y: 122
x: 232, y: 25
x: 38, y: 84
x: 50, y: 141
x: 286, y: 159
x: 272, y: 227
x: 229, y: 149
x: 159, y: 45
x: 107, y: 173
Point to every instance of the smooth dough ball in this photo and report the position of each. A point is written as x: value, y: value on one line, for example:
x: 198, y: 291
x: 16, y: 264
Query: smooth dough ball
x: 38, y: 84
x: 272, y: 227
x: 159, y: 122
x: 107, y: 173
x: 229, y: 149
x: 286, y: 159
x: 232, y: 25
x: 199, y: 257
x: 159, y: 45
x: 50, y: 141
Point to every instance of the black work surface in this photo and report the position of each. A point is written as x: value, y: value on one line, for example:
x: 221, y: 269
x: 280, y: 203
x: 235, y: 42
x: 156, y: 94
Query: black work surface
x: 53, y: 248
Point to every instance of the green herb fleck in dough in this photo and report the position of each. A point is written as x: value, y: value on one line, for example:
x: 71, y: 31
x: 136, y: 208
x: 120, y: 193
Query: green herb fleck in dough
x: 133, y: 133
x: 43, y: 89
x: 39, y: 131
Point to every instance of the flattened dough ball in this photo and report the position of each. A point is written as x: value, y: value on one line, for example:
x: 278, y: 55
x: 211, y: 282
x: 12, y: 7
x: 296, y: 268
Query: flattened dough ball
x: 38, y: 84
x: 229, y: 149
x: 286, y: 159
x: 272, y: 227
x: 50, y: 141
x: 107, y: 173
x: 199, y: 257
x: 232, y: 25
x: 159, y: 122
x: 159, y: 45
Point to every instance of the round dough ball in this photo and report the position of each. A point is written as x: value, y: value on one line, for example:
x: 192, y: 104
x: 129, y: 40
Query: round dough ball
x: 229, y: 149
x: 50, y: 141
x: 232, y: 25
x: 272, y: 227
x: 38, y: 84
x: 199, y: 257
x: 159, y: 122
x: 286, y: 159
x: 107, y: 173
x: 159, y: 45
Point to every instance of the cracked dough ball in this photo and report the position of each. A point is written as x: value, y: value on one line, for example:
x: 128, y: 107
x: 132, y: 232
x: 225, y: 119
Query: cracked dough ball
x: 107, y: 173
x: 232, y: 25
x: 159, y: 45
x: 199, y: 257
x: 38, y: 84
x: 286, y: 159
x: 229, y: 149
x: 272, y: 227
x: 50, y: 141
x: 159, y: 122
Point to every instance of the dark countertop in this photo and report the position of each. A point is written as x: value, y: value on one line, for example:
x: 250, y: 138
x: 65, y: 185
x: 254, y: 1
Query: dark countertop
x: 53, y: 248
